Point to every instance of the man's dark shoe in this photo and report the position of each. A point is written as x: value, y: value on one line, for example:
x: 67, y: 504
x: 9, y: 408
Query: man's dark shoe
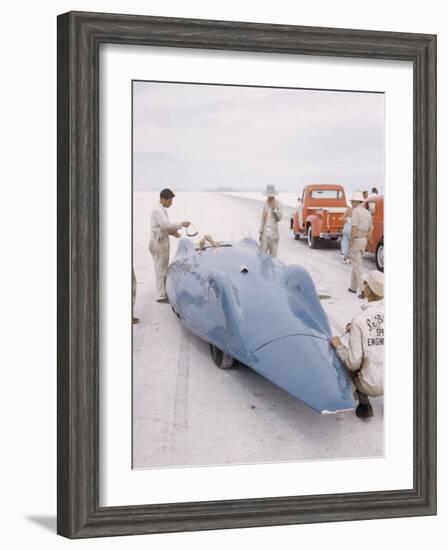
x: 364, y: 411
x: 353, y: 291
x: 362, y: 295
x: 162, y: 300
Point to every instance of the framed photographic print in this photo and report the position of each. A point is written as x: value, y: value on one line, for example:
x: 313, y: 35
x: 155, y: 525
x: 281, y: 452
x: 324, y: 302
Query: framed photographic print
x: 226, y: 191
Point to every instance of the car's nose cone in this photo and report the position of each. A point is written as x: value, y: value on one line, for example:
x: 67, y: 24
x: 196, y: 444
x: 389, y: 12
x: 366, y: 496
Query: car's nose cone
x: 308, y: 368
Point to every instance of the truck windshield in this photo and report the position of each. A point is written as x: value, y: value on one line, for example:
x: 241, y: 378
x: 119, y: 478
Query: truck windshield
x: 327, y: 194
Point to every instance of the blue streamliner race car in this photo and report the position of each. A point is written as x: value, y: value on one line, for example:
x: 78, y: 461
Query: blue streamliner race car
x: 253, y: 308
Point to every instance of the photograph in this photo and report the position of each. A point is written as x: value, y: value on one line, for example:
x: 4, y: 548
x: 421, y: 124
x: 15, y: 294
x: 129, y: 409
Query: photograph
x: 222, y: 276
x: 257, y: 274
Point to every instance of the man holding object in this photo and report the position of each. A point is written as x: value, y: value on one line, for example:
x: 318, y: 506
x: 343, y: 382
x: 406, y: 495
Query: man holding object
x: 159, y: 244
x: 272, y: 214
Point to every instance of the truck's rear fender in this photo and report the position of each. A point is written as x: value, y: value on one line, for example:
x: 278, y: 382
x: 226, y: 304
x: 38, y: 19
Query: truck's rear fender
x: 316, y: 224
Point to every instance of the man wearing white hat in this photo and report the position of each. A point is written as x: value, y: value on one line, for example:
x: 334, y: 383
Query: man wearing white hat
x: 272, y: 214
x: 361, y: 230
x: 364, y: 356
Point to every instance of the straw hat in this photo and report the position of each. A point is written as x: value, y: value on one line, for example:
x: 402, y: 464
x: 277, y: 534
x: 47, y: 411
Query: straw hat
x: 375, y: 280
x: 270, y: 191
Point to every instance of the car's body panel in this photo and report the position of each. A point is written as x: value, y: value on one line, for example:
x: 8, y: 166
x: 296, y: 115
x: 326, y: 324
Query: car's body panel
x: 263, y: 313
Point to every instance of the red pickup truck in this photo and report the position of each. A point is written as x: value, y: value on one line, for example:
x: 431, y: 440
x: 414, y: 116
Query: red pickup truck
x: 319, y: 214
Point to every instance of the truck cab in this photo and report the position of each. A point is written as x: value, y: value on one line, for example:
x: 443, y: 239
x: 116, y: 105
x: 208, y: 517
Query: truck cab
x: 320, y: 213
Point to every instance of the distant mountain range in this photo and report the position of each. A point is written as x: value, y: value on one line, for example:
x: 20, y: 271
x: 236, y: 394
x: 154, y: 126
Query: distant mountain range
x: 224, y: 190
x: 215, y: 190
x: 210, y: 190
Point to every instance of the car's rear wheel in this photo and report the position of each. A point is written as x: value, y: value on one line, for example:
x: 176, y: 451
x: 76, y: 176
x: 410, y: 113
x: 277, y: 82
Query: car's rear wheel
x: 221, y: 359
x: 379, y: 256
x: 313, y: 242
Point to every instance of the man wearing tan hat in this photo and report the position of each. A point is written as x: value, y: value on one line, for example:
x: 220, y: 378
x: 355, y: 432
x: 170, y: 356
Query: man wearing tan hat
x: 361, y: 230
x: 272, y: 214
x: 364, y: 356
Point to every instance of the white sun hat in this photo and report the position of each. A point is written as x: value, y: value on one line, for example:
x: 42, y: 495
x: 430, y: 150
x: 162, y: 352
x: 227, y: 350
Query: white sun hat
x: 270, y: 191
x: 357, y: 196
x: 375, y: 280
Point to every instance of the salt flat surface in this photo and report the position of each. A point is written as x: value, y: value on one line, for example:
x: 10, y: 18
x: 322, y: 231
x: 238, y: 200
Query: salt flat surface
x: 186, y: 411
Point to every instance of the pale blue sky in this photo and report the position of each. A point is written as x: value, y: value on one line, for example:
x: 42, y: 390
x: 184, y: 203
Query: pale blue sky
x: 202, y: 137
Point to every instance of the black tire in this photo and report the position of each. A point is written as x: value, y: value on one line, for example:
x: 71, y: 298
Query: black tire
x: 297, y: 236
x: 313, y: 242
x: 175, y: 312
x: 379, y: 256
x: 221, y: 359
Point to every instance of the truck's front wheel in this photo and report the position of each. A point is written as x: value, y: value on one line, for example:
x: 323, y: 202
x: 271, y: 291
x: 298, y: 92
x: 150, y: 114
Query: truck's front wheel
x: 313, y: 242
x: 379, y: 256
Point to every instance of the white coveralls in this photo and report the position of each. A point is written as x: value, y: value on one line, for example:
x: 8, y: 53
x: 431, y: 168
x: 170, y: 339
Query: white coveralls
x: 159, y: 245
x: 362, y: 219
x: 269, y: 235
x: 364, y: 356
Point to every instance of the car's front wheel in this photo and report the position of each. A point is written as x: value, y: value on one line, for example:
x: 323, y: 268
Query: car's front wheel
x: 221, y: 359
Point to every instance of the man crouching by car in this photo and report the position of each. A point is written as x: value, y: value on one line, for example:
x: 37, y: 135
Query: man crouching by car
x: 364, y: 356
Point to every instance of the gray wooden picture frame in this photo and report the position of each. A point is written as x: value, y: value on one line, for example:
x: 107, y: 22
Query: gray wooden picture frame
x: 79, y: 38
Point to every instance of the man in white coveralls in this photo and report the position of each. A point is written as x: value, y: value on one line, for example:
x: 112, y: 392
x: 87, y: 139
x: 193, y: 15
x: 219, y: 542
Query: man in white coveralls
x: 272, y: 214
x: 159, y: 244
x: 360, y: 234
x: 364, y: 356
